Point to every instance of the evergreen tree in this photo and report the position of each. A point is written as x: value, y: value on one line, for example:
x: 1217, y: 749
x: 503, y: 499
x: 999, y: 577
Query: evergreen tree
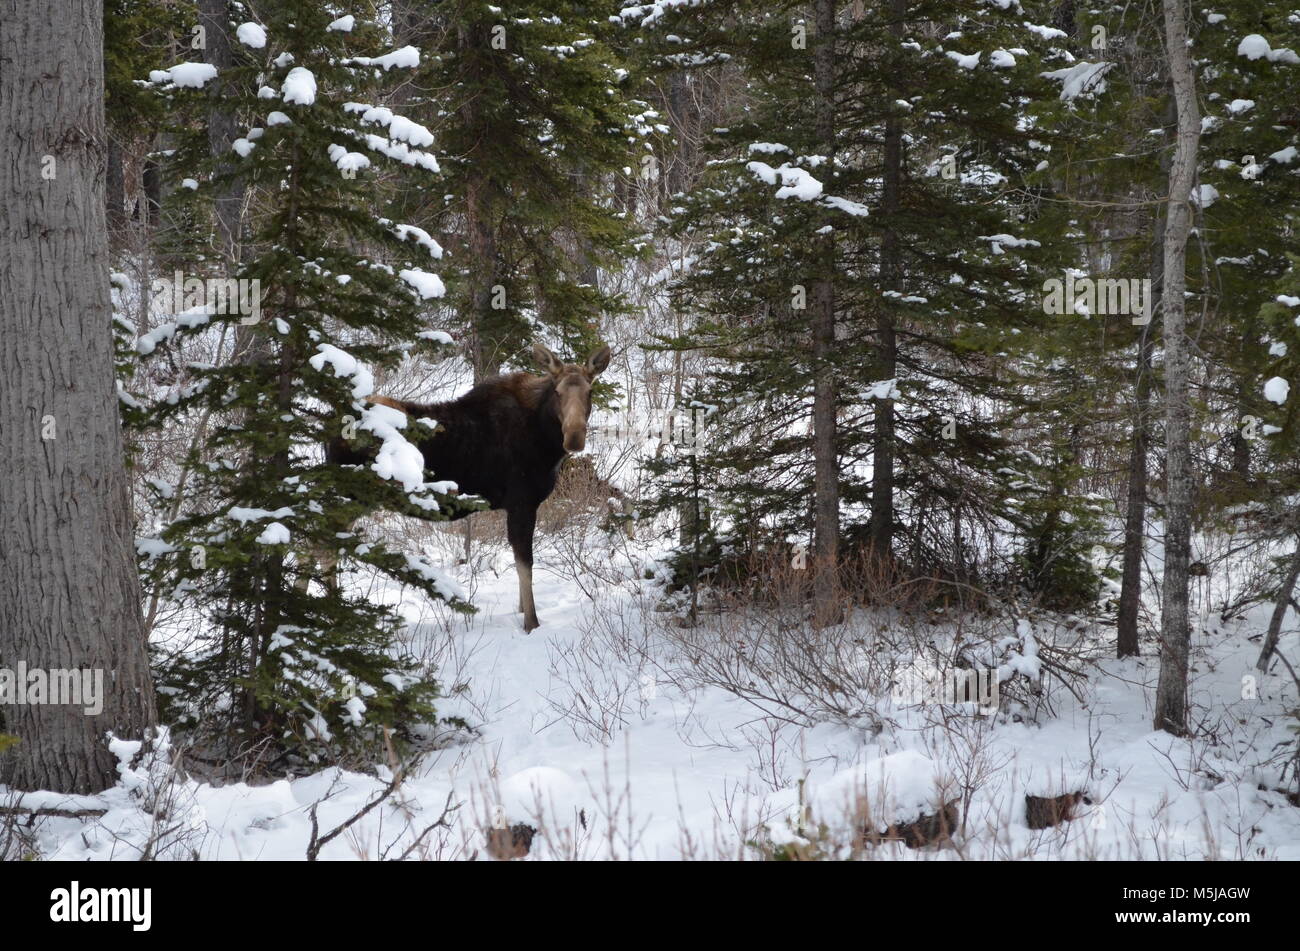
x: 931, y: 225
x: 284, y: 655
x: 535, y: 120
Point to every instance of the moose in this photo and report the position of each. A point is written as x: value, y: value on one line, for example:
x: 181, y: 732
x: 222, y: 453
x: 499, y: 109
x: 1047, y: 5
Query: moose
x: 504, y: 440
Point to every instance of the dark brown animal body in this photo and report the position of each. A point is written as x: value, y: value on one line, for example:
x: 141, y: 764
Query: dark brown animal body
x: 504, y: 440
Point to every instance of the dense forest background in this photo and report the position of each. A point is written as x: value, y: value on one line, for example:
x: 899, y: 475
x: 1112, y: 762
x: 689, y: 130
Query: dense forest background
x: 930, y: 321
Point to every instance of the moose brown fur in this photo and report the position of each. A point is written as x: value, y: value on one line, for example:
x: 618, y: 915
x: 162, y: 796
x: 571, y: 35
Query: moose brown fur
x: 504, y: 440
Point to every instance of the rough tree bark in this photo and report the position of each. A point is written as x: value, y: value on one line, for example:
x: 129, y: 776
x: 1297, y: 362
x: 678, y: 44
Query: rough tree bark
x: 69, y: 594
x: 1171, y: 693
x: 826, y: 495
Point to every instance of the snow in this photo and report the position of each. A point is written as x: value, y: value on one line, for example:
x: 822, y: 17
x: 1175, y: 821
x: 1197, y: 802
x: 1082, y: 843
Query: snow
x: 999, y: 241
x: 421, y: 237
x: 185, y: 75
x: 398, y: 459
x: 277, y: 118
x: 795, y: 182
x: 426, y: 285
x: 884, y: 390
x: 152, y: 548
x: 244, y: 515
x: 964, y: 61
x: 1001, y: 59
x: 400, y: 129
x: 1255, y: 47
x: 1082, y: 79
x: 402, y: 152
x: 1238, y: 106
x: 274, y: 534
x: 344, y: 364
x: 1205, y: 196
x: 251, y: 34
x: 1046, y: 32
x: 408, y: 57
x: 857, y: 209
x: 187, y: 320
x: 684, y: 766
x: 347, y: 161
x: 299, y: 87
x: 445, y: 584
x: 899, y: 786
x: 343, y: 24
x: 1276, y: 390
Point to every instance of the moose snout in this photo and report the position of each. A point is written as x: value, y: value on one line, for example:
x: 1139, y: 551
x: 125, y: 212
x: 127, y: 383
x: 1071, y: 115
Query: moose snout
x: 575, y: 441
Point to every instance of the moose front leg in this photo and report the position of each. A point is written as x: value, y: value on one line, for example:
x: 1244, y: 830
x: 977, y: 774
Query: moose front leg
x: 519, y: 529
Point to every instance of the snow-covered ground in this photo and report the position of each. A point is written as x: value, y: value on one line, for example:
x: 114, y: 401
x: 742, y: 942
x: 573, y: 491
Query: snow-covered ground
x: 591, y: 730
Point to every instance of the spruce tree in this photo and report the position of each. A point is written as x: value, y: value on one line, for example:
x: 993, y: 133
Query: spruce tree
x: 536, y: 121
x: 931, y: 225
x: 282, y: 655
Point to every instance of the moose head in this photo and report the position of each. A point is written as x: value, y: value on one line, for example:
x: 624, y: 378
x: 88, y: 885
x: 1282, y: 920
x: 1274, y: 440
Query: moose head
x: 573, y: 391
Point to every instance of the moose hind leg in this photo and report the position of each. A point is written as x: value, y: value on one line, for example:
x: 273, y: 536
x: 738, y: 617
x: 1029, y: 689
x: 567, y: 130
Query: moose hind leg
x: 519, y: 529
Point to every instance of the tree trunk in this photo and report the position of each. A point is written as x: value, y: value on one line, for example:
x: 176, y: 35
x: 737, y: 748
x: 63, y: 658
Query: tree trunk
x: 228, y: 202
x: 1135, y: 518
x: 115, y: 204
x: 69, y: 594
x: 883, y: 440
x: 1280, y: 604
x: 826, y: 495
x: 488, y: 346
x: 1171, y: 694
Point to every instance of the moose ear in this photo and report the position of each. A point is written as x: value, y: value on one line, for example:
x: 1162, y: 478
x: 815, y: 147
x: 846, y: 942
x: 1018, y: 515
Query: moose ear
x: 598, y: 360
x: 545, y: 359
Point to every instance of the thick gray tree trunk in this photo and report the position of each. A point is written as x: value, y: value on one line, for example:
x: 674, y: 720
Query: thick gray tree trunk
x: 1171, y: 693
x: 826, y: 493
x: 69, y: 594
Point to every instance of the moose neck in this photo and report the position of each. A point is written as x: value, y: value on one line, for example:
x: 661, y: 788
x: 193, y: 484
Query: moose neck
x: 548, y: 430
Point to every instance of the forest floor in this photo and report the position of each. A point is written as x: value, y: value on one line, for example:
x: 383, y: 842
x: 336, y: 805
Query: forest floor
x: 600, y: 731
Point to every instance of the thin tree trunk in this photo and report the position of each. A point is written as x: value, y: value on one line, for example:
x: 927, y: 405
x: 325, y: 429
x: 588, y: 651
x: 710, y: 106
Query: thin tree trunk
x: 826, y: 495
x: 69, y: 593
x: 1280, y: 604
x: 1135, y: 518
x: 883, y: 441
x: 487, y: 345
x: 1171, y: 693
x: 214, y: 16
